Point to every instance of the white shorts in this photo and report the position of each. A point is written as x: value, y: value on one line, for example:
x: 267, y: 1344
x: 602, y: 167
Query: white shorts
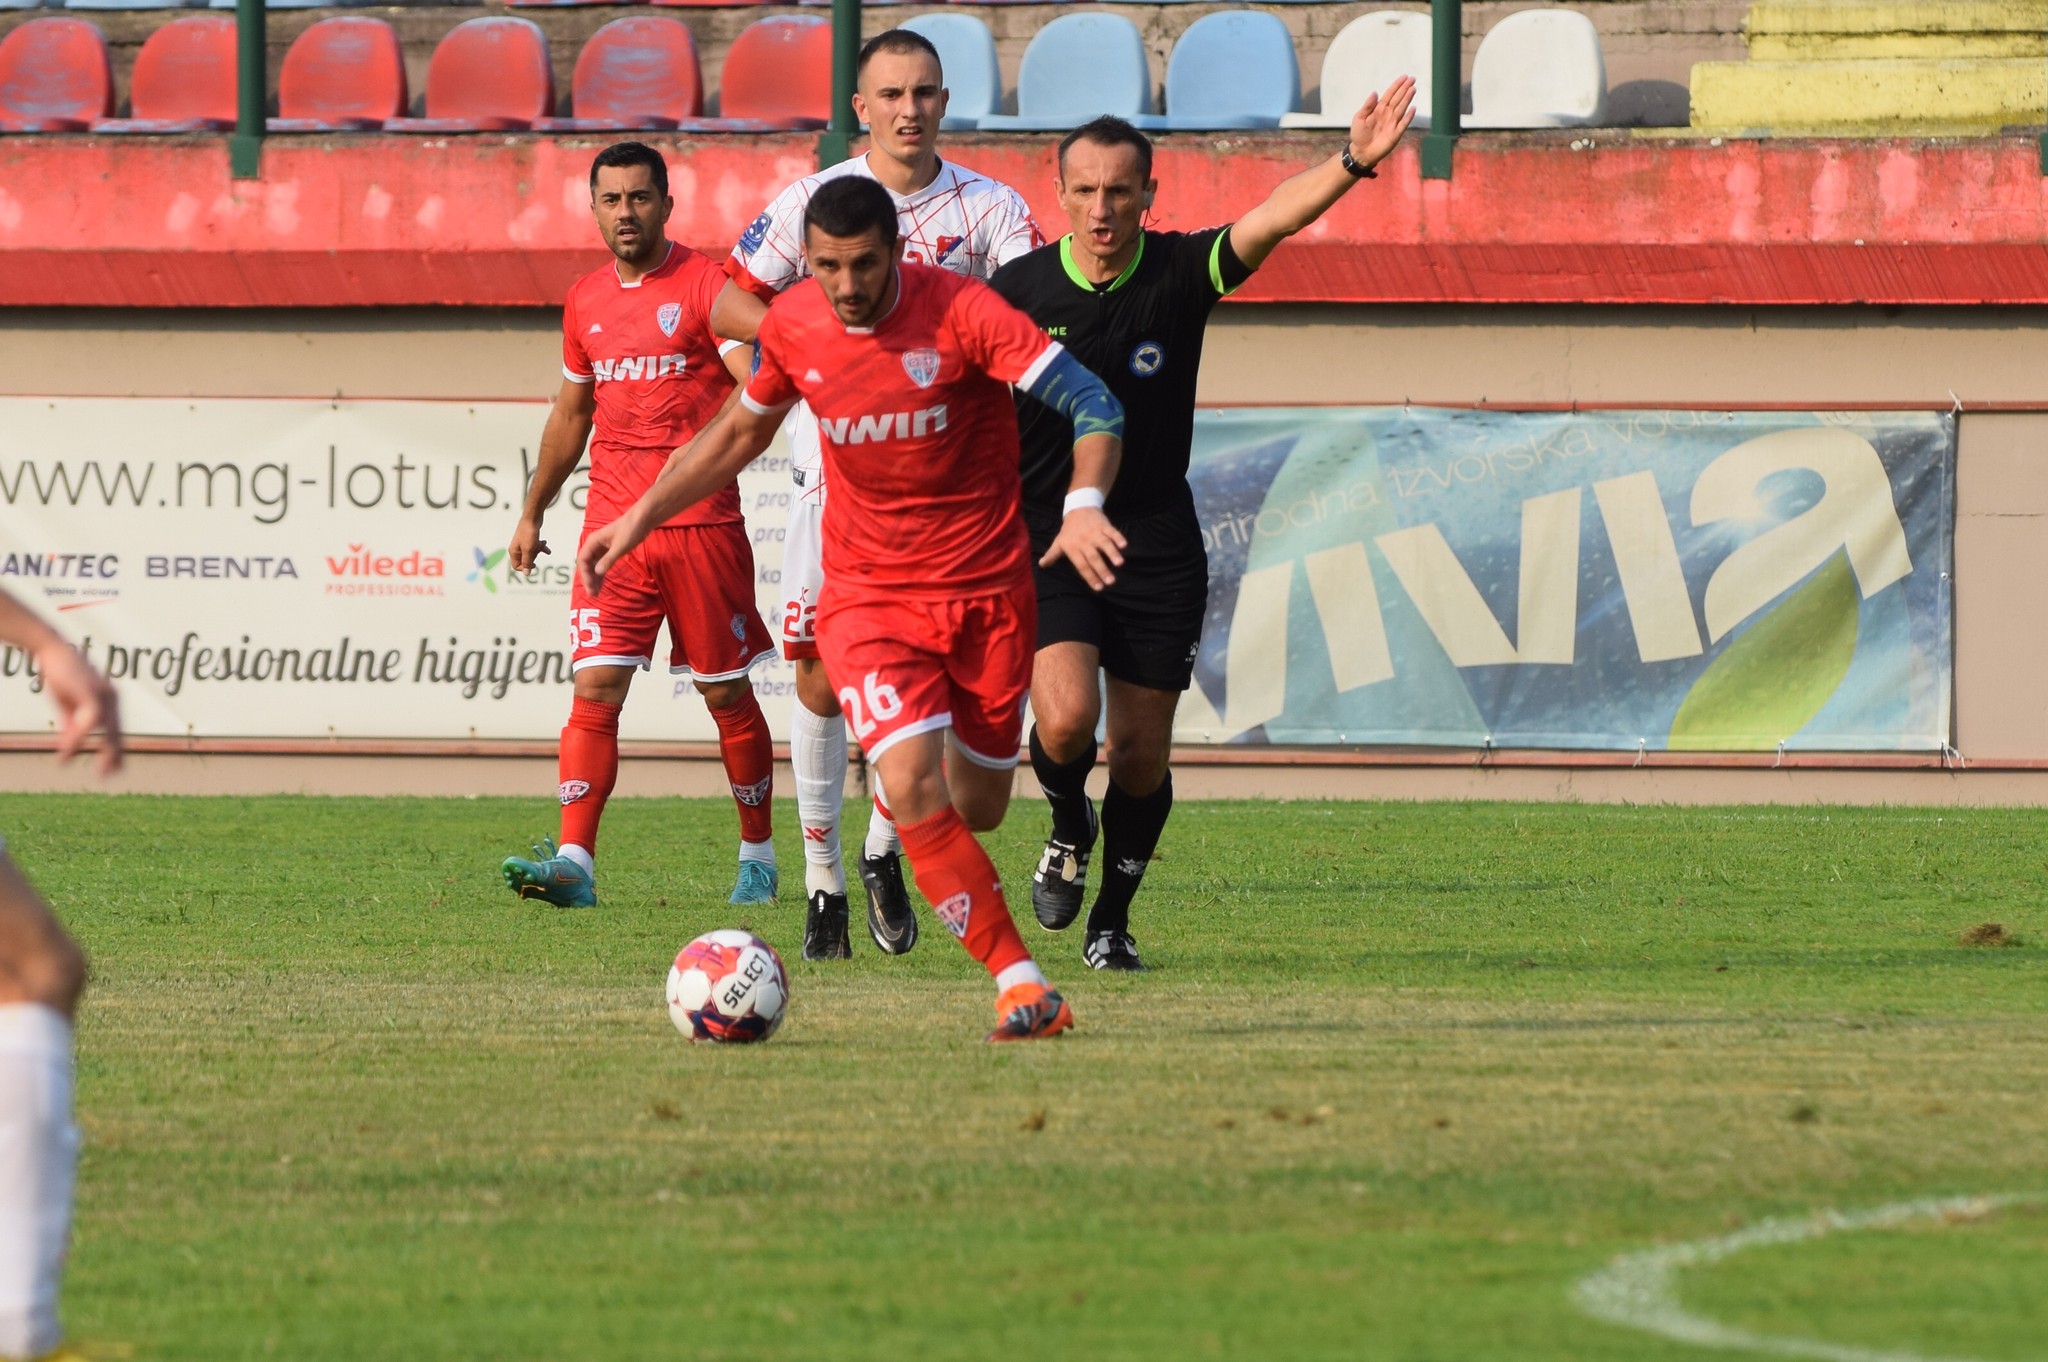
x: 803, y: 573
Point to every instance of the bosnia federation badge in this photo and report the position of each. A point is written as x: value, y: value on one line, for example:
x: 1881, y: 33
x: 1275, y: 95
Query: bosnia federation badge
x: 922, y: 365
x: 669, y: 316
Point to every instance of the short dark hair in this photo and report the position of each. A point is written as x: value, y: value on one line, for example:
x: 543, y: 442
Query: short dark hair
x: 897, y: 40
x: 631, y: 154
x: 850, y: 206
x: 1110, y: 131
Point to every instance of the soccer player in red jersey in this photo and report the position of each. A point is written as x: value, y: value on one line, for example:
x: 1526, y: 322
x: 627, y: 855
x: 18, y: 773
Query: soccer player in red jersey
x: 641, y: 361
x: 927, y: 619
x: 42, y: 974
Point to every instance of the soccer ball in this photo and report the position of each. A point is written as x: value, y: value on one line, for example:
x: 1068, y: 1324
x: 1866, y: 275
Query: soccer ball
x: 727, y: 986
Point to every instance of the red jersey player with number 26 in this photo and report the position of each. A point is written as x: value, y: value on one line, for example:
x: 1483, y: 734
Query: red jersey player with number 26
x: 642, y: 362
x: 927, y: 623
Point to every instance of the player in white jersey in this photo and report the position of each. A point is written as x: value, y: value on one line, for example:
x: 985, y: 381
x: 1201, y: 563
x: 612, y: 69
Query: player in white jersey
x: 948, y: 216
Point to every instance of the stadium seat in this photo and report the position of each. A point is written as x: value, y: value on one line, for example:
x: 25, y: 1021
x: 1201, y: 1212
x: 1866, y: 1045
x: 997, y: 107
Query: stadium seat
x: 967, y: 53
x: 1364, y: 58
x: 488, y: 75
x: 343, y: 74
x: 129, y: 4
x: 54, y: 77
x: 777, y: 74
x: 1540, y: 68
x: 184, y: 79
x: 1079, y: 67
x: 634, y: 73
x: 291, y: 4
x: 524, y: 3
x: 1231, y: 69
x: 22, y: 4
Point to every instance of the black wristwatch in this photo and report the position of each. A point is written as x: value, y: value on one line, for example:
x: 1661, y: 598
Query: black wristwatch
x: 1356, y: 170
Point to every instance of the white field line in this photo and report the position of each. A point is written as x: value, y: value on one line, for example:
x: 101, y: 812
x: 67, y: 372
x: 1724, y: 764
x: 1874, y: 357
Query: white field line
x: 1639, y: 1290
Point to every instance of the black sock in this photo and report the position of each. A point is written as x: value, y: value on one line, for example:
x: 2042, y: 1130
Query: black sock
x: 1066, y: 789
x: 1131, y: 825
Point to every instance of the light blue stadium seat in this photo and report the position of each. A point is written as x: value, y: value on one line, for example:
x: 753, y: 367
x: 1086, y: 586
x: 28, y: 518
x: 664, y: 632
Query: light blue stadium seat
x: 1232, y: 69
x: 22, y: 4
x: 131, y: 4
x: 289, y: 4
x: 1079, y: 66
x: 967, y: 54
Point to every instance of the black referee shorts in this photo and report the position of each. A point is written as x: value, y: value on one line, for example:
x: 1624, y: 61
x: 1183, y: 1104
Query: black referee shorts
x: 1148, y: 624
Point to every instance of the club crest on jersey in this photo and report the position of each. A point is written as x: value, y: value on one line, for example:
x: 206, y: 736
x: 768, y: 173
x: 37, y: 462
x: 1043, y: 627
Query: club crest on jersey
x: 668, y: 317
x: 944, y: 247
x: 922, y: 365
x: 1147, y: 358
x: 738, y: 626
x: 953, y: 911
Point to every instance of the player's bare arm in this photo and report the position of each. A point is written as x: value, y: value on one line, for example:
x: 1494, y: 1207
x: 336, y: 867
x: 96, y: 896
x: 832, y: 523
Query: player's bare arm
x: 1299, y: 201
x: 692, y: 473
x: 736, y: 314
x: 1086, y: 538
x: 561, y: 446
x: 84, y: 699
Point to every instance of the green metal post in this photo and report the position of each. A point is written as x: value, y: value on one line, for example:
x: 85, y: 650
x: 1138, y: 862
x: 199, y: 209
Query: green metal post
x: 1447, y: 76
x: 245, y: 147
x: 836, y: 143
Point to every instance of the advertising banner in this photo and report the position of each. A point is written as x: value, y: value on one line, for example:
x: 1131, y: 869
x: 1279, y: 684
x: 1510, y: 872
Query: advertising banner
x: 1634, y: 581
x: 1623, y: 581
x: 318, y: 569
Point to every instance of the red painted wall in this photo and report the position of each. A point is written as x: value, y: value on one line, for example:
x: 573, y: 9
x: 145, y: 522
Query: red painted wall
x: 504, y: 220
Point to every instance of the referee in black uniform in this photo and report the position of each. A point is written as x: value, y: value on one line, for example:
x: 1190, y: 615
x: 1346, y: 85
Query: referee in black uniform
x: 1131, y: 305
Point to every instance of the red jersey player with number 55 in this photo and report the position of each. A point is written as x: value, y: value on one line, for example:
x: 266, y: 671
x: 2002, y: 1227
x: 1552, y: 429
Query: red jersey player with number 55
x: 927, y: 622
x: 642, y: 361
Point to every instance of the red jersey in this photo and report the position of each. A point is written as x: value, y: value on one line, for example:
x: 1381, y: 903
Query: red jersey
x: 660, y: 378
x: 919, y: 432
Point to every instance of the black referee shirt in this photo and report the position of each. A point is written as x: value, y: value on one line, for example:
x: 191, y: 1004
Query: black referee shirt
x: 1141, y: 333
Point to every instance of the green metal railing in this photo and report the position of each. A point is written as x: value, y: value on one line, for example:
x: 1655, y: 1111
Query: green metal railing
x: 1447, y: 76
x: 837, y: 142
x: 245, y: 147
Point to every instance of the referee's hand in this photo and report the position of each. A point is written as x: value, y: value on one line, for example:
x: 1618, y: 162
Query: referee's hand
x: 1088, y: 541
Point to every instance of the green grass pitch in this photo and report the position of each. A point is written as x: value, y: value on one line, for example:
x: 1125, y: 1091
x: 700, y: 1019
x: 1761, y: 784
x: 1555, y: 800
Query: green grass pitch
x: 1401, y: 1077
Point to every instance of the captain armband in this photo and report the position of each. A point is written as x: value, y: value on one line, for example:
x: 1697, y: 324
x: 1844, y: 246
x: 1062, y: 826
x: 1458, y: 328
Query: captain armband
x: 1061, y: 382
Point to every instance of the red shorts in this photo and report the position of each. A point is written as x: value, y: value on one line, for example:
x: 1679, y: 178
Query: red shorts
x: 700, y: 578
x: 904, y: 667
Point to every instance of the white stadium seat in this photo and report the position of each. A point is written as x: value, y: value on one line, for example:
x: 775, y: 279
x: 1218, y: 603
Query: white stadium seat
x: 1365, y: 57
x: 1540, y: 68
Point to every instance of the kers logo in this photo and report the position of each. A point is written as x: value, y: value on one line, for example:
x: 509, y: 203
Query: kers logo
x: 668, y: 317
x: 569, y: 791
x: 756, y: 233
x: 954, y: 911
x: 752, y: 795
x: 1147, y: 359
x: 922, y: 365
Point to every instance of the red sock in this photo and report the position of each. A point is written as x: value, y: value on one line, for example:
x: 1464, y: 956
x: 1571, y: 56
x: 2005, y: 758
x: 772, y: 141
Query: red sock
x: 957, y: 876
x: 749, y: 756
x: 588, y: 767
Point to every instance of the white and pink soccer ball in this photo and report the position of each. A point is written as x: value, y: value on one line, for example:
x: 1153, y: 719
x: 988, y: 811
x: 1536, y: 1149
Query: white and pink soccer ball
x: 727, y: 986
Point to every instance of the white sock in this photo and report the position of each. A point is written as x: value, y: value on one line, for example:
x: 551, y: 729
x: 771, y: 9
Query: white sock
x: 762, y: 852
x: 1023, y: 972
x: 817, y: 754
x: 569, y: 851
x: 882, y: 840
x: 38, y: 1159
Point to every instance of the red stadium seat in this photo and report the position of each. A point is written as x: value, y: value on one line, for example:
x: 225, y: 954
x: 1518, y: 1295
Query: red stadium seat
x: 487, y: 75
x: 779, y: 71
x: 54, y: 77
x: 634, y: 73
x: 341, y: 75
x: 184, y: 79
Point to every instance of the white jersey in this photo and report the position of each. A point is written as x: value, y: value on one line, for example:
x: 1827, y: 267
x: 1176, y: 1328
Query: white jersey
x: 961, y: 221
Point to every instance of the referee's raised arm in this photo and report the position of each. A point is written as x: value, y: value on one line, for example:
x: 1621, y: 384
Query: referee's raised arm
x: 1301, y: 199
